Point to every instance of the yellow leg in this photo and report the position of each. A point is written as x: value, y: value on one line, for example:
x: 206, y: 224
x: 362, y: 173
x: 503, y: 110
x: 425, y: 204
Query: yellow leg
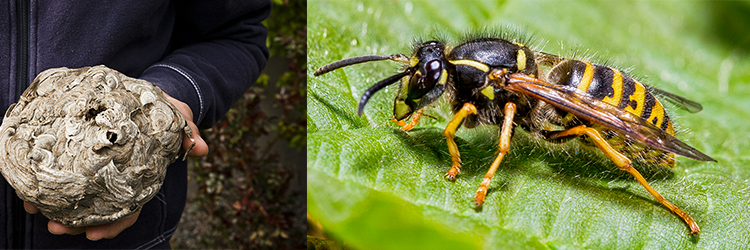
x: 624, y: 163
x: 450, y: 132
x: 414, y: 120
x: 505, y: 132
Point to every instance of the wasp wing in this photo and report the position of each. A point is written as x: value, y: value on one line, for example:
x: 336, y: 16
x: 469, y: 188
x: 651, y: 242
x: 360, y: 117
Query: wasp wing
x: 604, y: 114
x: 547, y: 59
x: 679, y: 101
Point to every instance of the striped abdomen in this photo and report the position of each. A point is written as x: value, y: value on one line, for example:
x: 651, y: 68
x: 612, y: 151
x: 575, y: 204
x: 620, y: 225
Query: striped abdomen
x: 613, y: 87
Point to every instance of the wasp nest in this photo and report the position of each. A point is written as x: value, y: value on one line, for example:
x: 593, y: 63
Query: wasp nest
x: 89, y: 146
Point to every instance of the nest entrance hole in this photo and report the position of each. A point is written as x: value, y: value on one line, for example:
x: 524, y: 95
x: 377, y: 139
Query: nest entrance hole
x: 94, y: 111
x: 112, y: 137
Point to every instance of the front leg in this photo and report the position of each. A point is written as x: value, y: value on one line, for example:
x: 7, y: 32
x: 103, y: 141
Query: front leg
x: 412, y: 123
x: 450, y: 132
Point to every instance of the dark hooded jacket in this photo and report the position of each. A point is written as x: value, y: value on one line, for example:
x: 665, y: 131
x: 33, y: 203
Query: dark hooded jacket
x: 203, y: 53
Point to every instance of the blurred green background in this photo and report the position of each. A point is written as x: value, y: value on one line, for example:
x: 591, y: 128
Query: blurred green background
x: 373, y: 186
x: 248, y: 193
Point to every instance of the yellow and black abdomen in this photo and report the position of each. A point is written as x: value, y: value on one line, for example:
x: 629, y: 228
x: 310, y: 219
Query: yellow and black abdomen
x: 611, y: 86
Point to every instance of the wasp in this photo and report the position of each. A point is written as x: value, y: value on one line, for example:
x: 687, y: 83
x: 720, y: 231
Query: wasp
x: 497, y: 81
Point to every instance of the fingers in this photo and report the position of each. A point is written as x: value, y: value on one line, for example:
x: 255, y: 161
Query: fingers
x: 98, y: 232
x: 30, y: 208
x: 106, y: 231
x: 109, y: 231
x: 58, y: 228
x: 200, y: 148
x: 54, y: 227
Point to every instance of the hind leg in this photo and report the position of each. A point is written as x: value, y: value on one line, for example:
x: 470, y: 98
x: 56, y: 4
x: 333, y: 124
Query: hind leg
x: 624, y: 163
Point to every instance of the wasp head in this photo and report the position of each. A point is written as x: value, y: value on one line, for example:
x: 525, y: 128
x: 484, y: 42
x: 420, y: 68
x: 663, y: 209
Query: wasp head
x: 426, y: 82
x: 422, y: 82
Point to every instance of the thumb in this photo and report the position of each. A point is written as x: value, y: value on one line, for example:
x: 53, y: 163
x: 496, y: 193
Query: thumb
x: 194, y: 140
x: 200, y: 148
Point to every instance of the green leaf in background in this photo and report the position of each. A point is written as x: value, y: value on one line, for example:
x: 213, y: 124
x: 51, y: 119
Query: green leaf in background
x: 375, y: 187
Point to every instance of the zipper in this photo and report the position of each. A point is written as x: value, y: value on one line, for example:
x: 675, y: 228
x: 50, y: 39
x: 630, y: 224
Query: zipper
x: 22, y: 45
x: 22, y: 78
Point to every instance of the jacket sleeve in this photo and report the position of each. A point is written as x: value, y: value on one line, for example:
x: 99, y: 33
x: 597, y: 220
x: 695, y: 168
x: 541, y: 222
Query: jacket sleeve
x: 219, y: 51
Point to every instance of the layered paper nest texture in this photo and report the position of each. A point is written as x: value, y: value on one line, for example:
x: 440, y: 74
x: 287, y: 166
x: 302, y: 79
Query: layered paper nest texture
x: 89, y: 146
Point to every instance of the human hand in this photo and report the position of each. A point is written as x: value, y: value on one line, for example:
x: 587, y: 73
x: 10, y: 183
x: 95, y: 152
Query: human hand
x: 201, y: 148
x: 110, y: 230
x: 98, y: 232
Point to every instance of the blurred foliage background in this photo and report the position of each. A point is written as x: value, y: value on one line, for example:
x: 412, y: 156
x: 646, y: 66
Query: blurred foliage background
x: 248, y: 193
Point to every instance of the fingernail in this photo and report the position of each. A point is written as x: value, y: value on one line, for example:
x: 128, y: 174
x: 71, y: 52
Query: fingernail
x: 50, y: 231
x: 87, y: 237
x: 30, y: 211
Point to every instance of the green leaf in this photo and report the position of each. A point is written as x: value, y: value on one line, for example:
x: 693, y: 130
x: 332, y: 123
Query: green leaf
x: 375, y: 187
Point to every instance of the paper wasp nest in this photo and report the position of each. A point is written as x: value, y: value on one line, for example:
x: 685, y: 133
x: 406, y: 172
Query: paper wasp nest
x: 89, y: 146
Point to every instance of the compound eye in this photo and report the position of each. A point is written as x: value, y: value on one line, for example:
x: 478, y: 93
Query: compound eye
x: 425, y: 79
